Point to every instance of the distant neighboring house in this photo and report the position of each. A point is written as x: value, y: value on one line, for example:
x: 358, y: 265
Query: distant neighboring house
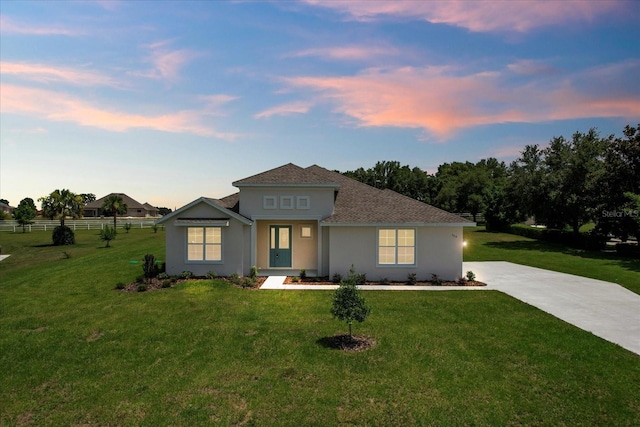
x: 6, y: 208
x: 292, y: 218
x: 134, y: 208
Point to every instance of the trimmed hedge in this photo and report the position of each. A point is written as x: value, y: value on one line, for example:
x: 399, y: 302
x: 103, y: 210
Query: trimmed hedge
x: 628, y: 250
x: 591, y: 240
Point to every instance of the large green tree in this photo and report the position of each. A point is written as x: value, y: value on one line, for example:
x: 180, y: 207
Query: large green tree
x: 620, y: 184
x: 25, y: 213
x: 113, y: 205
x: 560, y: 184
x: 61, y: 204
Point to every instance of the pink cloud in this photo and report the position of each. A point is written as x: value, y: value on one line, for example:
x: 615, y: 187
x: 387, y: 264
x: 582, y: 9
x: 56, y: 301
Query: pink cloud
x: 285, y: 110
x: 166, y: 63
x: 9, y: 26
x: 348, y: 53
x: 479, y: 16
x: 48, y: 73
x: 442, y: 102
x: 55, y: 106
x: 530, y: 67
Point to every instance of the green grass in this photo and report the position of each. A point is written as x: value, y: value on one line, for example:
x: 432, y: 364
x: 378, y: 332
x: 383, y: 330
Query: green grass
x: 73, y: 351
x: 487, y: 246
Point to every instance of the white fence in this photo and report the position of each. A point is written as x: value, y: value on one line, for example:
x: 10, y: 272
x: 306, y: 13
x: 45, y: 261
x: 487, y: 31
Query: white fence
x: 77, y: 224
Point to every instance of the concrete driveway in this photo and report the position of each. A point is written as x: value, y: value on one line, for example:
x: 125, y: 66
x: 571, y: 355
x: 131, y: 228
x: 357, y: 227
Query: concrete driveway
x: 602, y: 308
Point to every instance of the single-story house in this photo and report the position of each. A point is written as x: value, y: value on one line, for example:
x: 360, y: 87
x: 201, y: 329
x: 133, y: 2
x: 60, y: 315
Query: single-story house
x: 6, y: 208
x: 292, y: 218
x: 134, y: 208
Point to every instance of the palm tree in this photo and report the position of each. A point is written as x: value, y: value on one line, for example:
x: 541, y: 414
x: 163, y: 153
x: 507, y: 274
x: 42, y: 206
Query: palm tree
x: 60, y: 204
x: 114, y: 205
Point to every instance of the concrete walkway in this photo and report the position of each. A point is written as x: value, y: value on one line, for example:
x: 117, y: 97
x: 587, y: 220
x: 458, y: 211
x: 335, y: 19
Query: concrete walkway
x: 602, y: 308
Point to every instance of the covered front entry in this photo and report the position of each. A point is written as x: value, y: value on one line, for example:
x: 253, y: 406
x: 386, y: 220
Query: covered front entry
x: 287, y: 246
x: 280, y: 246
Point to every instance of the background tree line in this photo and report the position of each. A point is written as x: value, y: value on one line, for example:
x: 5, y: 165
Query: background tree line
x: 570, y: 183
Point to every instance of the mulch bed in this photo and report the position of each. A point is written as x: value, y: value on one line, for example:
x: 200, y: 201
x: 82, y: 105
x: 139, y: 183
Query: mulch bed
x: 351, y: 344
x: 324, y: 281
x: 156, y: 284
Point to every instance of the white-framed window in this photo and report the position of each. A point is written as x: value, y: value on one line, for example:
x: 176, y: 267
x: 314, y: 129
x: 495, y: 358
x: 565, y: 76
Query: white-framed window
x: 269, y: 202
x: 286, y: 202
x: 303, y: 202
x: 204, y: 244
x: 396, y: 246
x: 305, y: 231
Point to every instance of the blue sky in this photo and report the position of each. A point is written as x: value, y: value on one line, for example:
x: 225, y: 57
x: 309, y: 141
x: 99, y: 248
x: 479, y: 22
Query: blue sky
x: 169, y: 101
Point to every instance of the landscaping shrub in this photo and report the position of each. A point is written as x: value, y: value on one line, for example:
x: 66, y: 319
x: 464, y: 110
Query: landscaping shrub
x: 412, y: 278
x: 436, y: 280
x: 247, y: 282
x: 120, y: 285
x: 471, y: 276
x: 63, y: 235
x: 186, y: 274
x: 355, y: 277
x: 337, y: 278
x: 142, y: 287
x: 303, y: 274
x: 107, y: 234
x: 149, y: 266
x: 461, y: 281
x: 628, y: 250
x: 235, y: 279
x: 163, y: 276
x: 166, y: 283
x: 211, y: 274
x: 127, y: 227
x: 592, y: 240
x: 253, y: 273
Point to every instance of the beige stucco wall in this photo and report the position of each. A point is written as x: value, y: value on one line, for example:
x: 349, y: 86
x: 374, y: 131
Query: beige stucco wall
x: 438, y: 251
x: 236, y: 241
x: 304, y: 252
x: 320, y: 206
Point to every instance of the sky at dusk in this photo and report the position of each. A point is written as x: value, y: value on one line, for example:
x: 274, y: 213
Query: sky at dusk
x: 169, y: 101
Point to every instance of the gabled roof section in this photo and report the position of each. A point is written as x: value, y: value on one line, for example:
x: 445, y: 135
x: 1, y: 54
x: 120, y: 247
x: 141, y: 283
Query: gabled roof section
x: 288, y: 175
x: 359, y: 203
x: 218, y: 204
x: 131, y: 203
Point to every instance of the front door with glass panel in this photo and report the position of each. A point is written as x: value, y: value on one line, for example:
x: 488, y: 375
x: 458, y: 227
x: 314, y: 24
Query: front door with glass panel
x: 280, y: 246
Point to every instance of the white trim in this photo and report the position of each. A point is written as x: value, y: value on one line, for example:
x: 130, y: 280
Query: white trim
x: 310, y: 227
x: 287, y: 202
x: 186, y: 207
x: 204, y: 245
x: 396, y: 224
x: 269, y: 202
x: 300, y: 185
x: 396, y: 264
x: 303, y: 202
x: 200, y: 223
x: 286, y: 217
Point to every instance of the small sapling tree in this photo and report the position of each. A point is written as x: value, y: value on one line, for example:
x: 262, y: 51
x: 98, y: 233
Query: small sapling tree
x: 107, y: 234
x: 348, y: 304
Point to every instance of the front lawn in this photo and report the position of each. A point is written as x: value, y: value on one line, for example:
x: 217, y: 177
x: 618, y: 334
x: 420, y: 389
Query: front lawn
x: 74, y: 351
x: 487, y: 246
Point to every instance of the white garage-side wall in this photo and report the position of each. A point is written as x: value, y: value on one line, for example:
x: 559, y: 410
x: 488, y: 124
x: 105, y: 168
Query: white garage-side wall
x: 236, y: 241
x: 438, y: 251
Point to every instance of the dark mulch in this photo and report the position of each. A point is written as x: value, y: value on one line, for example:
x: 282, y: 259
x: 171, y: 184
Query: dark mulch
x: 156, y: 284
x: 351, y: 344
x: 324, y: 281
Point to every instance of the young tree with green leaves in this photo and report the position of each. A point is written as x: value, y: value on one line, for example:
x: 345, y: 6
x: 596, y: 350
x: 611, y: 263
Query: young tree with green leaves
x: 348, y: 304
x: 107, y: 234
x: 114, y: 206
x: 25, y: 213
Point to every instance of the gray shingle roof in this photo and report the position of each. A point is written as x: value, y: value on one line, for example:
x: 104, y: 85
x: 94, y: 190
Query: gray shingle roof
x: 355, y: 203
x: 288, y: 174
x: 131, y: 203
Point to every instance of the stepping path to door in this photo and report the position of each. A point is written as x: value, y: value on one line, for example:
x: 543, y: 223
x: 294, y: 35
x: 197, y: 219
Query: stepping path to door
x: 605, y: 309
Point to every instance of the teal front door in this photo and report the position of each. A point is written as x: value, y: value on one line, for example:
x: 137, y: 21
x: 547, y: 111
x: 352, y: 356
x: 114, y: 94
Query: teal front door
x: 280, y: 246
